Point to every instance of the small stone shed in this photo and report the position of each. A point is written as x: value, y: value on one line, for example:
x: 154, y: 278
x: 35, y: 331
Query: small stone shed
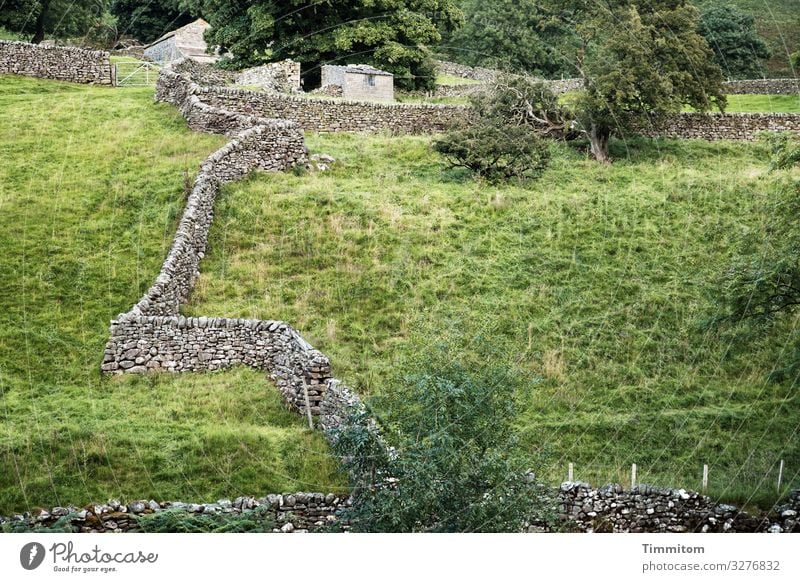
x: 359, y: 82
x: 185, y: 42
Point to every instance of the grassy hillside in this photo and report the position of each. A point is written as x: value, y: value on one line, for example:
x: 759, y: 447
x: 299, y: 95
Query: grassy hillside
x: 91, y: 186
x: 594, y: 282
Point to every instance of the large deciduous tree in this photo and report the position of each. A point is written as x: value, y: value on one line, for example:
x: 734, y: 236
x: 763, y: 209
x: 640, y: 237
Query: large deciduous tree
x: 389, y: 34
x: 146, y: 20
x: 638, y: 60
x: 57, y: 18
x: 737, y: 46
x: 513, y: 35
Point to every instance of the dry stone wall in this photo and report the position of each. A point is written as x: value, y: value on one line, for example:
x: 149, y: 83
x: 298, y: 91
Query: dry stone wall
x: 608, y: 509
x: 333, y: 115
x: 647, y: 509
x: 153, y: 335
x: 292, y: 512
x: 55, y: 62
x: 763, y: 87
x: 718, y: 126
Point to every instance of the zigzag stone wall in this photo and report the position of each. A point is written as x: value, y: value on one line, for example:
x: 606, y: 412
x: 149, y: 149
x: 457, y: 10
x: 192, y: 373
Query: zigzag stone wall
x: 55, y: 62
x: 154, y: 336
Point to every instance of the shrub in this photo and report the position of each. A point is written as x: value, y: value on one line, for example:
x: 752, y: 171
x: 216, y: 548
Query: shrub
x: 456, y: 467
x: 503, y: 137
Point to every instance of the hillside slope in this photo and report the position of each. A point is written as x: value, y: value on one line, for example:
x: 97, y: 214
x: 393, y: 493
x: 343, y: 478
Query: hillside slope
x: 89, y: 202
x: 593, y: 283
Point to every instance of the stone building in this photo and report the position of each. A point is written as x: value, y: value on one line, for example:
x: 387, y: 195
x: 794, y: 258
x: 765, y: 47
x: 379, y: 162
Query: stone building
x: 359, y: 82
x: 186, y: 42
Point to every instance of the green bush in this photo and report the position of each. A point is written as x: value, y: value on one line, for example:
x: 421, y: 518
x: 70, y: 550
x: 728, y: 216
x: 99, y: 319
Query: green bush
x: 456, y: 467
x: 502, y: 139
x: 180, y: 521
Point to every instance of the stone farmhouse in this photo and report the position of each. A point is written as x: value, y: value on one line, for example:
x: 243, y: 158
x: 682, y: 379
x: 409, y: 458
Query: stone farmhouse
x: 359, y: 82
x: 186, y: 42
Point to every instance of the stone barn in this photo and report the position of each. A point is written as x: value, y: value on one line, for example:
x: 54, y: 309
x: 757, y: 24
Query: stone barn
x: 359, y: 82
x: 185, y: 42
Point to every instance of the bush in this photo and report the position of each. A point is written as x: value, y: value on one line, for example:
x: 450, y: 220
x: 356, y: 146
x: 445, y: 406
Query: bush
x: 456, y: 467
x: 495, y: 151
x: 181, y: 521
x: 503, y: 138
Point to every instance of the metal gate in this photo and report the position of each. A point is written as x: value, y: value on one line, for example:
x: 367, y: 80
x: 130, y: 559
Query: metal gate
x: 135, y: 74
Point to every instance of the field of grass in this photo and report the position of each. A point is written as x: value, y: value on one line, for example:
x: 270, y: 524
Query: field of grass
x: 593, y: 281
x: 453, y: 81
x: 91, y: 187
x: 763, y: 104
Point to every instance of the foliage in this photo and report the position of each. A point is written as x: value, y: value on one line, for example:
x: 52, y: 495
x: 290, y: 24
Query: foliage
x: 794, y: 61
x: 763, y: 283
x: 738, y: 48
x: 61, y: 525
x: 389, y: 34
x: 495, y: 150
x: 456, y: 468
x: 107, y: 172
x: 500, y: 140
x: 259, y: 520
x: 146, y: 20
x: 57, y: 18
x: 510, y: 35
x: 637, y: 61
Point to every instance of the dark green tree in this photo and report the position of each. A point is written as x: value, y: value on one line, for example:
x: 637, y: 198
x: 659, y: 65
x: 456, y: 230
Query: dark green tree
x: 456, y: 467
x: 56, y: 18
x: 737, y: 46
x: 389, y: 34
x: 146, y: 20
x: 638, y: 61
x: 511, y: 35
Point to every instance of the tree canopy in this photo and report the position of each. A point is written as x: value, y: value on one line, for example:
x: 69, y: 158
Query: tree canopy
x: 512, y: 35
x: 737, y: 46
x: 56, y: 18
x: 146, y: 20
x: 638, y: 61
x: 393, y: 35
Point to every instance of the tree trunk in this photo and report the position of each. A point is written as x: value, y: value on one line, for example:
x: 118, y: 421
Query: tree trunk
x: 598, y: 140
x: 38, y: 35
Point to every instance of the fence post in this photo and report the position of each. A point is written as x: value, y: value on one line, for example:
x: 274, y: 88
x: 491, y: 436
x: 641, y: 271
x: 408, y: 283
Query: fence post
x: 705, y: 478
x: 570, y: 468
x: 633, y: 475
x: 308, y: 405
x: 780, y: 476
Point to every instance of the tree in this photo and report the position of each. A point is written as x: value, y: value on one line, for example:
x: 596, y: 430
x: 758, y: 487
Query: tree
x: 762, y: 286
x: 456, y: 468
x: 388, y: 34
x: 737, y: 46
x: 638, y: 61
x: 512, y: 35
x: 57, y: 18
x: 146, y: 20
x: 502, y: 137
